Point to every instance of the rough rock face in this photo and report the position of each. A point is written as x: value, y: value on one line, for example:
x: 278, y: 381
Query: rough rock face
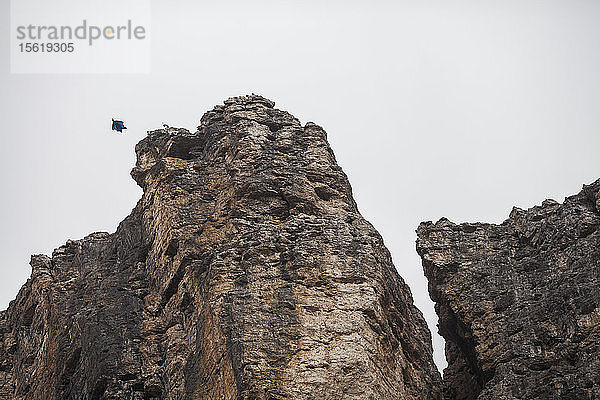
x: 519, y: 302
x: 244, y: 272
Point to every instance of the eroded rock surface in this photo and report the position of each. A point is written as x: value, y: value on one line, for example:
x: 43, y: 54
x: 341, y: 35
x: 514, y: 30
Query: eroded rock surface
x: 244, y: 272
x: 519, y: 302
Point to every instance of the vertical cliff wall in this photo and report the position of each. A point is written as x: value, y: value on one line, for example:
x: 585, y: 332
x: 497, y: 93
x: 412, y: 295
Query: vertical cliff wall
x: 519, y: 302
x: 244, y: 272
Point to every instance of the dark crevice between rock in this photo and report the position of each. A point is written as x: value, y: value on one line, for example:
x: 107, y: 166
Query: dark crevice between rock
x: 152, y: 392
x: 27, y: 317
x: 186, y: 148
x: 99, y: 389
x: 324, y: 192
x: 452, y: 329
x: 173, y: 285
x: 467, y: 379
x: 273, y: 127
x: 234, y: 348
x: 172, y: 248
x: 66, y: 376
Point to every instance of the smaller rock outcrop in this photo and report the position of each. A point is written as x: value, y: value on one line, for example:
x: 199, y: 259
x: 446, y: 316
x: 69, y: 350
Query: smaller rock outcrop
x: 519, y: 303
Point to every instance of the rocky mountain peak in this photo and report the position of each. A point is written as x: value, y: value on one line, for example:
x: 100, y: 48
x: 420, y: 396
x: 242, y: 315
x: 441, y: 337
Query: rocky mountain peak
x: 245, y: 271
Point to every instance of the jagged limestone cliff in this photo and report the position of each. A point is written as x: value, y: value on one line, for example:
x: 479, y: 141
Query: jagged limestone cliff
x: 519, y: 302
x: 244, y: 272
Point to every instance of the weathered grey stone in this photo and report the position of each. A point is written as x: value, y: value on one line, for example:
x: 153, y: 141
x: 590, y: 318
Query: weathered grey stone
x: 244, y: 272
x: 519, y: 302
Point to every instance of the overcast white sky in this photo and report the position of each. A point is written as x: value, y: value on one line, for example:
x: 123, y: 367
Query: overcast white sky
x: 433, y: 108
